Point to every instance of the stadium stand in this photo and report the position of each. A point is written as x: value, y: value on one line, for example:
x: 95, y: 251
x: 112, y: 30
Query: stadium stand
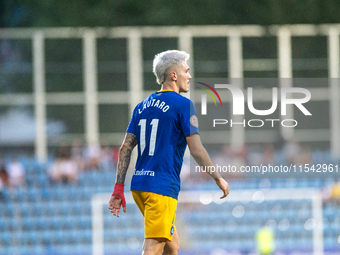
x: 42, y: 218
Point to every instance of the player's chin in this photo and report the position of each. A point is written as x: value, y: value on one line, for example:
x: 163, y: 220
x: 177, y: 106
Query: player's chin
x: 184, y: 90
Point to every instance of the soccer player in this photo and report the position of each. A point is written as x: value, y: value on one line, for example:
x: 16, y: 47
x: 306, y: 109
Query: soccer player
x: 161, y: 127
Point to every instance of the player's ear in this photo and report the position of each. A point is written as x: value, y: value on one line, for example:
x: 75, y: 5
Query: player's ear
x: 173, y: 76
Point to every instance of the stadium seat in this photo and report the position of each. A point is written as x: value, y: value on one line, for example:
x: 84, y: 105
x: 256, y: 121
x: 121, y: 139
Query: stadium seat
x: 56, y: 219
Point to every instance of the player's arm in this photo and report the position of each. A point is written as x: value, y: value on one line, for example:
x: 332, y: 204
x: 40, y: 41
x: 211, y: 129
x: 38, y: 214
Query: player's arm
x: 117, y: 199
x: 124, y: 157
x: 202, y: 158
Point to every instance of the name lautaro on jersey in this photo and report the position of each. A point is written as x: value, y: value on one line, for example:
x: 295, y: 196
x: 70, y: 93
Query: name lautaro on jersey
x: 155, y: 103
x: 144, y: 172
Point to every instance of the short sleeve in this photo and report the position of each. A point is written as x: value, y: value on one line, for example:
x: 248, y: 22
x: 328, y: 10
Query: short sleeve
x: 188, y: 119
x: 132, y: 125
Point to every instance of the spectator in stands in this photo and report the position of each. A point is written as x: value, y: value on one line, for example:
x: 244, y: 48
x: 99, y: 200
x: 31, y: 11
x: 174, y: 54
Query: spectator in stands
x: 3, y: 174
x: 255, y: 155
x: 93, y: 156
x: 291, y: 150
x: 64, y: 169
x: 16, y: 173
x: 325, y: 194
x: 268, y: 154
x: 3, y: 180
x: 304, y: 156
x: 77, y: 153
x: 335, y: 193
x: 53, y: 171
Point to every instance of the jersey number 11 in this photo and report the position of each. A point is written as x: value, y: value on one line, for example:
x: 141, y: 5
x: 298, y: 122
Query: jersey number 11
x: 153, y: 136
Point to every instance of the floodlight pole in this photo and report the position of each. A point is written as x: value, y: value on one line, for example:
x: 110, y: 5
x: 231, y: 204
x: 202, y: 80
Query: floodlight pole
x: 185, y: 44
x: 333, y: 57
x: 236, y: 78
x: 39, y: 96
x: 90, y: 84
x: 285, y: 74
x: 135, y: 69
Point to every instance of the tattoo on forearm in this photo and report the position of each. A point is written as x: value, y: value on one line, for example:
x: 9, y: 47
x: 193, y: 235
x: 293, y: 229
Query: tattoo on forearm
x: 129, y: 143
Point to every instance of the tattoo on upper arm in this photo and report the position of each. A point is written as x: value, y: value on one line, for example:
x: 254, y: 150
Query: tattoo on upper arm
x: 129, y: 143
x: 131, y: 140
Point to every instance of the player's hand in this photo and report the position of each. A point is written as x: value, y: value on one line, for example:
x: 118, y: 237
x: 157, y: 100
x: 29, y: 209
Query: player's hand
x: 223, y: 185
x: 117, y: 199
x: 115, y: 203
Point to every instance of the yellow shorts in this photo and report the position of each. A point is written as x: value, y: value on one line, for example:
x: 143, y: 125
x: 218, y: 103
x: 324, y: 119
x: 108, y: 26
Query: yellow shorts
x: 159, y: 214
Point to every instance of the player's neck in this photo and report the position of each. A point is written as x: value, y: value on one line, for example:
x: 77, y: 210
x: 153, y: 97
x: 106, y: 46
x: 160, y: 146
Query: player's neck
x: 170, y: 85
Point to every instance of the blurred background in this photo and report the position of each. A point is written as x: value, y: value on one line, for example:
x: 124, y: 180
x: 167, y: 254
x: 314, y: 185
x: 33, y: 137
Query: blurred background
x: 71, y: 73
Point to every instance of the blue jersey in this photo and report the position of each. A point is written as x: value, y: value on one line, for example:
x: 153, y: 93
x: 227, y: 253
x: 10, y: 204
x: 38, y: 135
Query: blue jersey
x: 161, y: 122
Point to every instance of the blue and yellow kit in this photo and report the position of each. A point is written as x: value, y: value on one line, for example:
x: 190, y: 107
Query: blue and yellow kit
x: 161, y: 123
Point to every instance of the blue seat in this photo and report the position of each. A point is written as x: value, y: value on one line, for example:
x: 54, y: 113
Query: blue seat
x: 6, y: 238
